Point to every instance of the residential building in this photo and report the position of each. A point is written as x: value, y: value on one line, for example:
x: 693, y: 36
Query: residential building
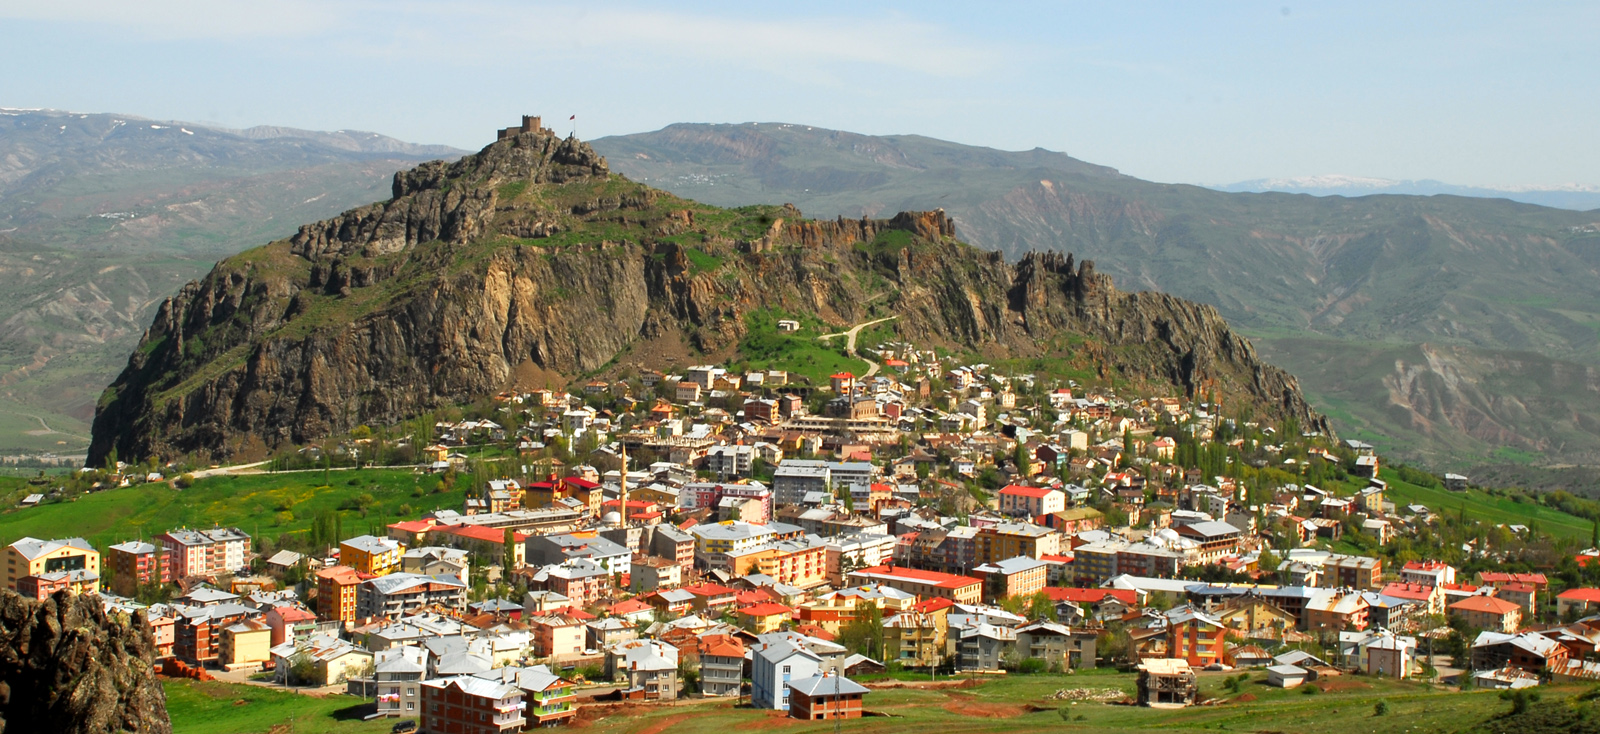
x: 1356, y: 572
x: 721, y: 665
x: 336, y: 593
x: 371, y: 555
x: 1379, y: 652
x: 71, y: 562
x: 398, y: 594
x: 557, y: 636
x: 1031, y: 502
x: 1019, y: 577
x: 794, y: 478
x: 1061, y: 647
x: 1195, y: 637
x: 925, y: 584
x: 197, y: 633
x: 1217, y: 540
x: 1011, y: 539
x: 211, y: 552
x: 586, y: 545
x: 1529, y: 651
x: 1167, y: 683
x: 580, y: 580
x: 289, y: 623
x: 825, y: 696
x: 1578, y: 602
x: 984, y: 646
x: 436, y: 560
x: 244, y: 644
x: 773, y: 665
x: 1489, y: 613
x: 333, y: 660
x: 135, y: 564
x: 398, y: 673
x: 650, y: 667
x: 1335, y: 609
x: 468, y: 705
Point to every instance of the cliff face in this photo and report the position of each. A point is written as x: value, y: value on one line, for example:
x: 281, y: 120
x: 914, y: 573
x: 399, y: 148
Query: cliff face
x: 530, y: 253
x: 65, y: 667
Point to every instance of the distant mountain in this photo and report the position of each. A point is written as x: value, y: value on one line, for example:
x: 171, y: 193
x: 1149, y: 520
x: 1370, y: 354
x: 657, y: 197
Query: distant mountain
x: 1450, y: 330
x: 1580, y: 197
x: 103, y: 215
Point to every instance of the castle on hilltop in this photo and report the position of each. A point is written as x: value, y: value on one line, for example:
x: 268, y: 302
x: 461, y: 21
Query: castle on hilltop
x: 530, y: 124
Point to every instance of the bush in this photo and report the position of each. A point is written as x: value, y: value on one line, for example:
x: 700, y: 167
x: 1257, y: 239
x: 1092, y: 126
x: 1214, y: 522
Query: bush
x: 184, y: 482
x: 1310, y: 690
x: 1380, y: 708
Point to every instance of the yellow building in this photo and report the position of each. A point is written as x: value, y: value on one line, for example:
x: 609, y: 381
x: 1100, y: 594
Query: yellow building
x: 1012, y: 539
x: 372, y: 555
x: 244, y: 644
x: 34, y: 557
x: 764, y: 617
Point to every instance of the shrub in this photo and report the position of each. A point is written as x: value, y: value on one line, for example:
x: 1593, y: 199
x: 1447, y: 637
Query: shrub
x: 1310, y: 690
x: 1380, y: 708
x: 184, y: 482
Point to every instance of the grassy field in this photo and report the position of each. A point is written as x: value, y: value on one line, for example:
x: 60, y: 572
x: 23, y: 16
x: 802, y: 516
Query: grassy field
x: 259, y: 504
x: 800, y: 353
x: 1480, y: 505
x: 214, y: 707
x: 1016, y: 703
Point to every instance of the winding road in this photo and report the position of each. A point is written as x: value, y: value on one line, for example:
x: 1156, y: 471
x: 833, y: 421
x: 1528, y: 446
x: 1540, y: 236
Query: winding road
x: 850, y: 342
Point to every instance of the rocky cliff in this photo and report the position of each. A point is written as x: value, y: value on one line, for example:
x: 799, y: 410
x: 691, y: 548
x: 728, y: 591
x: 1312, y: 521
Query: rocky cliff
x: 531, y: 254
x: 66, y: 667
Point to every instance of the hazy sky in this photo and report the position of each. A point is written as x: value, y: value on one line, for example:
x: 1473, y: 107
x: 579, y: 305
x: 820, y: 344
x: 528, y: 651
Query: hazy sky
x: 1469, y: 93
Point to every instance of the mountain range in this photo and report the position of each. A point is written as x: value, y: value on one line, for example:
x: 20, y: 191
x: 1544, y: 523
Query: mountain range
x: 1450, y: 330
x: 102, y: 216
x: 1581, y: 197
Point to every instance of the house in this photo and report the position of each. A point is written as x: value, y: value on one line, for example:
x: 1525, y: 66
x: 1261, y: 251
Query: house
x: 1356, y: 572
x: 549, y: 697
x: 763, y: 618
x: 650, y: 667
x: 1167, y: 683
x: 825, y: 696
x: 581, y: 581
x: 1578, y: 602
x: 1286, y: 676
x: 289, y: 623
x: 197, y: 631
x: 1529, y: 651
x: 1253, y: 616
x: 1217, y: 539
x: 244, y: 644
x: 466, y: 703
x: 1336, y: 609
x: 1431, y: 597
x: 1195, y: 637
x: 773, y: 665
x: 1488, y: 613
x: 721, y: 665
x: 397, y: 674
x: 333, y: 661
x: 984, y: 646
x: 1379, y: 652
x: 1059, y: 646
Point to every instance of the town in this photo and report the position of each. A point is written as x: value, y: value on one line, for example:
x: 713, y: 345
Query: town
x: 726, y: 532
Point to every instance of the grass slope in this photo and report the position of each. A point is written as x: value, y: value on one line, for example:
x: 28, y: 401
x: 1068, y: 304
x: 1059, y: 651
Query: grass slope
x: 1480, y: 505
x: 214, y: 707
x: 253, y: 503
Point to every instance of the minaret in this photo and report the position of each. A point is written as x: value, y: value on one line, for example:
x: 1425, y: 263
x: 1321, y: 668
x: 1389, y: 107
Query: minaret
x: 622, y: 505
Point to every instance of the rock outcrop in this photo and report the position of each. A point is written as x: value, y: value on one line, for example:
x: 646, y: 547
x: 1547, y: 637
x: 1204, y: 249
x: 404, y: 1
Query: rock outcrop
x: 68, y: 668
x: 531, y: 253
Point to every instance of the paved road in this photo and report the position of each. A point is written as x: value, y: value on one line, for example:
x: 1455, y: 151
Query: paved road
x: 850, y: 342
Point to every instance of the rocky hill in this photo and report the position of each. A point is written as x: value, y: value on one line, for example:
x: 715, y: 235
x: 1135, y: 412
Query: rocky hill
x: 67, y: 667
x: 531, y: 256
x: 1445, y: 329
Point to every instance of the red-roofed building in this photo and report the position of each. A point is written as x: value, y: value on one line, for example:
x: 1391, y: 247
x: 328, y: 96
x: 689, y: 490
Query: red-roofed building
x: 1585, y: 601
x: 933, y: 606
x: 1428, y: 573
x: 763, y: 618
x: 410, y: 533
x: 925, y: 584
x: 1431, y: 596
x: 632, y: 610
x: 1489, y: 613
x: 490, y: 542
x: 336, y: 593
x: 1031, y: 501
x: 1499, y: 579
x: 710, y: 597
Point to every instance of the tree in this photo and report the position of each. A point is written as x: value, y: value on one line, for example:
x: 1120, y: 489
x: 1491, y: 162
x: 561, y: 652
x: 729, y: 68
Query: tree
x: 302, y: 669
x: 864, y: 634
x: 1040, y: 606
x: 509, y: 560
x: 1519, y: 698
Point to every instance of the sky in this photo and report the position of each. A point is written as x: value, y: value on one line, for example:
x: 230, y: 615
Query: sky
x: 1473, y: 93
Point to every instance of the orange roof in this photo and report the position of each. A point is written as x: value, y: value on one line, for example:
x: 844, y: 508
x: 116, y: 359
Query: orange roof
x: 843, y: 376
x: 1408, y: 591
x: 1583, y: 595
x: 630, y: 606
x: 708, y: 590
x: 488, y: 535
x: 765, y: 609
x: 1490, y: 577
x: 1487, y: 604
x: 412, y: 526
x: 340, y: 574
x: 1518, y: 587
x: 1090, y: 596
x: 722, y: 646
x: 1017, y: 490
x: 932, y: 578
x: 930, y: 606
